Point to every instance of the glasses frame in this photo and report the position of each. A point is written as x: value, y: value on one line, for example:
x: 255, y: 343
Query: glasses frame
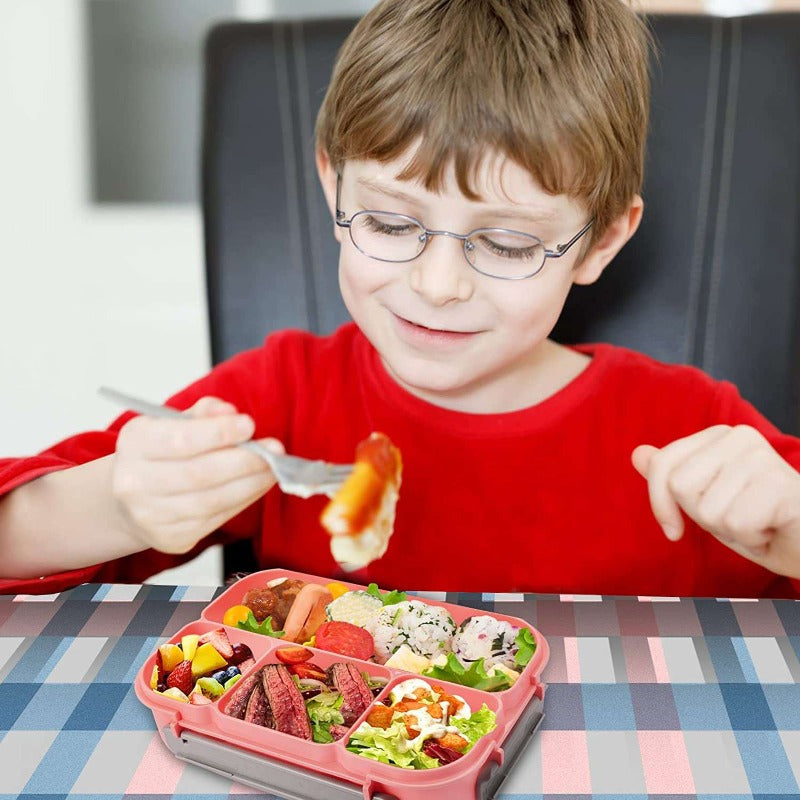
x: 343, y: 222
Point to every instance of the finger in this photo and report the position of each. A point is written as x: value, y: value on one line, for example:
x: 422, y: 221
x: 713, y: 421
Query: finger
x: 691, y: 479
x: 197, y: 474
x: 755, y: 512
x: 662, y: 463
x: 182, y: 536
x: 641, y: 457
x: 157, y: 438
x: 711, y: 508
x: 208, y: 504
x: 210, y: 406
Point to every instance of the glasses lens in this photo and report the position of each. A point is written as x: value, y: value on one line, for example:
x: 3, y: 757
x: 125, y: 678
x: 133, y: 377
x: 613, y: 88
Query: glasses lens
x: 386, y: 236
x: 505, y: 254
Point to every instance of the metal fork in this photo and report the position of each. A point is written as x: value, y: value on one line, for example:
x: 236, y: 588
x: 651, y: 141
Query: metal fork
x: 298, y: 476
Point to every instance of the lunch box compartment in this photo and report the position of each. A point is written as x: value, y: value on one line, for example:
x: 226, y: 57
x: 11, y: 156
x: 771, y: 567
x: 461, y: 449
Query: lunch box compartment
x: 264, y: 739
x: 167, y: 707
x: 234, y: 594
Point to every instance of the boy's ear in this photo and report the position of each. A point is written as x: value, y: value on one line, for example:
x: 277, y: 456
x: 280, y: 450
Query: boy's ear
x: 602, y: 251
x: 327, y: 177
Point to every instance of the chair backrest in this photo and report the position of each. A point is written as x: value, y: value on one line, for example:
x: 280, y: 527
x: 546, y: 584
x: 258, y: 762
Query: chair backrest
x: 712, y: 278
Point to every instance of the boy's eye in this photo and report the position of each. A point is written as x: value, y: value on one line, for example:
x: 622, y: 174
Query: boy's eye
x: 387, y: 227
x: 520, y: 250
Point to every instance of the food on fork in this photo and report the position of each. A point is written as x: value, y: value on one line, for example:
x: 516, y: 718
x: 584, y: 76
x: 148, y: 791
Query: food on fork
x: 360, y: 516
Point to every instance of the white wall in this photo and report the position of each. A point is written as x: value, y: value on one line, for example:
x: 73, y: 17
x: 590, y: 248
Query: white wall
x: 89, y: 295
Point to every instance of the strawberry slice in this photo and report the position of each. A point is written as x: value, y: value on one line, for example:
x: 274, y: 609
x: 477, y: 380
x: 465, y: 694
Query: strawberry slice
x: 219, y: 641
x: 181, y: 678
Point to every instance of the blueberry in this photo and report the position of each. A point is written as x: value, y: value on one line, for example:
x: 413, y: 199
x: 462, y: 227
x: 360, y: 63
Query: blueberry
x: 230, y: 672
x: 220, y: 676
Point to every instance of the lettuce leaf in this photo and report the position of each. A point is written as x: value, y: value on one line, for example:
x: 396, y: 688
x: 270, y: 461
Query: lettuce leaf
x: 389, y: 746
x: 474, y: 676
x: 323, y: 711
x: 478, y: 724
x: 387, y: 598
x: 264, y: 627
x: 527, y: 647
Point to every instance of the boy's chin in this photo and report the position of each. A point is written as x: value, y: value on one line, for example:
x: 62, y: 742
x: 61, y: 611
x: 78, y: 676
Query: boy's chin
x: 430, y: 381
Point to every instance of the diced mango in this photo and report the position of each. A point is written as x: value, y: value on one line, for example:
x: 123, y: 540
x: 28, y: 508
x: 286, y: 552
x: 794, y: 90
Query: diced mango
x: 206, y: 659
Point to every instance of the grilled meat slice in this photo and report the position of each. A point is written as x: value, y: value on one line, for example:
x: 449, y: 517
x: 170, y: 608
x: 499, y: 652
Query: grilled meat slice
x: 338, y: 731
x: 285, y: 701
x: 240, y: 694
x: 258, y: 711
x: 356, y: 695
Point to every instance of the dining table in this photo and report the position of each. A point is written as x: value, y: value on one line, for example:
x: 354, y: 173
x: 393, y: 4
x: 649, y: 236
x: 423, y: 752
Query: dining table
x: 654, y: 698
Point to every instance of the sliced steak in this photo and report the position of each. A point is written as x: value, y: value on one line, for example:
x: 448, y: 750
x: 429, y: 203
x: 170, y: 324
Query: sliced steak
x: 238, y: 696
x: 285, y: 701
x: 356, y: 695
x: 258, y: 711
x: 338, y: 731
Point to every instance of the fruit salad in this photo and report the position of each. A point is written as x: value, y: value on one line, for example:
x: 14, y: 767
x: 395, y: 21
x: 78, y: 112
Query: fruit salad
x: 200, y: 667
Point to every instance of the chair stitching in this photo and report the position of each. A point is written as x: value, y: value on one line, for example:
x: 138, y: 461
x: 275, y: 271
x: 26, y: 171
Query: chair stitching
x: 724, y: 194
x: 704, y: 192
x: 290, y: 160
x: 309, y: 173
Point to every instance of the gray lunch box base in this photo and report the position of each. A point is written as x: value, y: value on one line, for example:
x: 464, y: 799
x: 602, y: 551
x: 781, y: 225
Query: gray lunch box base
x: 295, y: 783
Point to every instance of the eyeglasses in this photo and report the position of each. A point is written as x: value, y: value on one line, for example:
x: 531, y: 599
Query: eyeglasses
x: 495, y: 252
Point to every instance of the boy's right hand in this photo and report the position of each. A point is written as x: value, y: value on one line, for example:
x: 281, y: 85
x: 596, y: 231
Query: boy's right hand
x: 177, y: 480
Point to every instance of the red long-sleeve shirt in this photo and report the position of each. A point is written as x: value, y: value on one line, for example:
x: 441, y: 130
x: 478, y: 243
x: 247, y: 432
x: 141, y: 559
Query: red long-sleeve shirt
x: 541, y: 500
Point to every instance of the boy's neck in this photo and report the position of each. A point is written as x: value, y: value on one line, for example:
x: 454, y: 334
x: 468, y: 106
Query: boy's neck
x: 551, y: 368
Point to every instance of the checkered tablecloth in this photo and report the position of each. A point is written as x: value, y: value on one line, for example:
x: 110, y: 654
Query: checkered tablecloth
x: 653, y: 698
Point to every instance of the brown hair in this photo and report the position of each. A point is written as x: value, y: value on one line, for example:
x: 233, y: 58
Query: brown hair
x: 561, y: 87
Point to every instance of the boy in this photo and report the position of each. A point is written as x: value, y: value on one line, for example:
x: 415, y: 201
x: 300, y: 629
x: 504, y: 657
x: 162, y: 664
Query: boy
x: 478, y: 159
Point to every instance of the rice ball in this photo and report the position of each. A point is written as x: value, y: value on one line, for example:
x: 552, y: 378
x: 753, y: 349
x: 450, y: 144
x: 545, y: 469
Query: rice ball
x: 487, y: 638
x: 426, y: 629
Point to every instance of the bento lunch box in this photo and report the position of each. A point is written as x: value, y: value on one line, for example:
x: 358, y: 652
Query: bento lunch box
x: 298, y: 769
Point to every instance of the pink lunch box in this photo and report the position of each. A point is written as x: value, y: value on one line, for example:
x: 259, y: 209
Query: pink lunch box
x: 303, y: 770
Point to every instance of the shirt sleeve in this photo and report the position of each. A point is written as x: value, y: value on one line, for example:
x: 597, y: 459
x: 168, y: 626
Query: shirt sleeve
x: 248, y: 381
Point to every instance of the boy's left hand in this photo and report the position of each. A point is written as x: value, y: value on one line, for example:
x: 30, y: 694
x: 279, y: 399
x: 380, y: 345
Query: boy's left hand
x: 733, y: 483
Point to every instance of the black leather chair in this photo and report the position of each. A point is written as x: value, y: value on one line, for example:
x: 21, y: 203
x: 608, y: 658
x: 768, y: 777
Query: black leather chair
x: 712, y: 277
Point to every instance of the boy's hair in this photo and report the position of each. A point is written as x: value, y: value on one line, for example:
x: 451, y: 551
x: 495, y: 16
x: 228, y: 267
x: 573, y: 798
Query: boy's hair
x: 559, y: 86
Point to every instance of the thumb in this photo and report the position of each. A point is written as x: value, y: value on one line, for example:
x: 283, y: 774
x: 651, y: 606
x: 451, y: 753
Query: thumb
x: 641, y: 458
x: 274, y: 445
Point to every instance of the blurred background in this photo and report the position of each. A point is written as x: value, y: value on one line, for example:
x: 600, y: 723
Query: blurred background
x: 101, y: 249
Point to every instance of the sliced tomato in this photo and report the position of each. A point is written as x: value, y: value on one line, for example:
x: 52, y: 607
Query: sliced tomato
x: 293, y: 655
x: 346, y: 639
x: 308, y: 670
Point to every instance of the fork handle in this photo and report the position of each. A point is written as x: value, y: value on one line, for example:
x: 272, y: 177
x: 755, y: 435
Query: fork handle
x: 137, y: 404
x: 155, y: 410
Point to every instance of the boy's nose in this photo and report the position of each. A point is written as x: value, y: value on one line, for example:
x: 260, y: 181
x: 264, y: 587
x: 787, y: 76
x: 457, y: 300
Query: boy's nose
x: 441, y: 273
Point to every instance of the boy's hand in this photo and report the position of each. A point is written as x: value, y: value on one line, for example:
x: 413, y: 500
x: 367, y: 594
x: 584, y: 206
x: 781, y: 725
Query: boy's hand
x: 177, y: 480
x: 733, y: 484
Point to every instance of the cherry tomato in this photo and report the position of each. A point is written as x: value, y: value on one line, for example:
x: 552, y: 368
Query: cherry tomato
x: 293, y: 655
x: 308, y: 670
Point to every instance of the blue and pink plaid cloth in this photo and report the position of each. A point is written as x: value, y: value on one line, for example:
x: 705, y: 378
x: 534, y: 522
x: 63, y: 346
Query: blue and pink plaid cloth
x: 647, y: 698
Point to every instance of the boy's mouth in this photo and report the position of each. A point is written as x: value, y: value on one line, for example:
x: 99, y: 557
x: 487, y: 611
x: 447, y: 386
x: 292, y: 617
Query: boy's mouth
x: 419, y: 334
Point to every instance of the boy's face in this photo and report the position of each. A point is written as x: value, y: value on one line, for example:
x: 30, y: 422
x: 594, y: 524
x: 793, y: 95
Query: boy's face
x: 445, y: 332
